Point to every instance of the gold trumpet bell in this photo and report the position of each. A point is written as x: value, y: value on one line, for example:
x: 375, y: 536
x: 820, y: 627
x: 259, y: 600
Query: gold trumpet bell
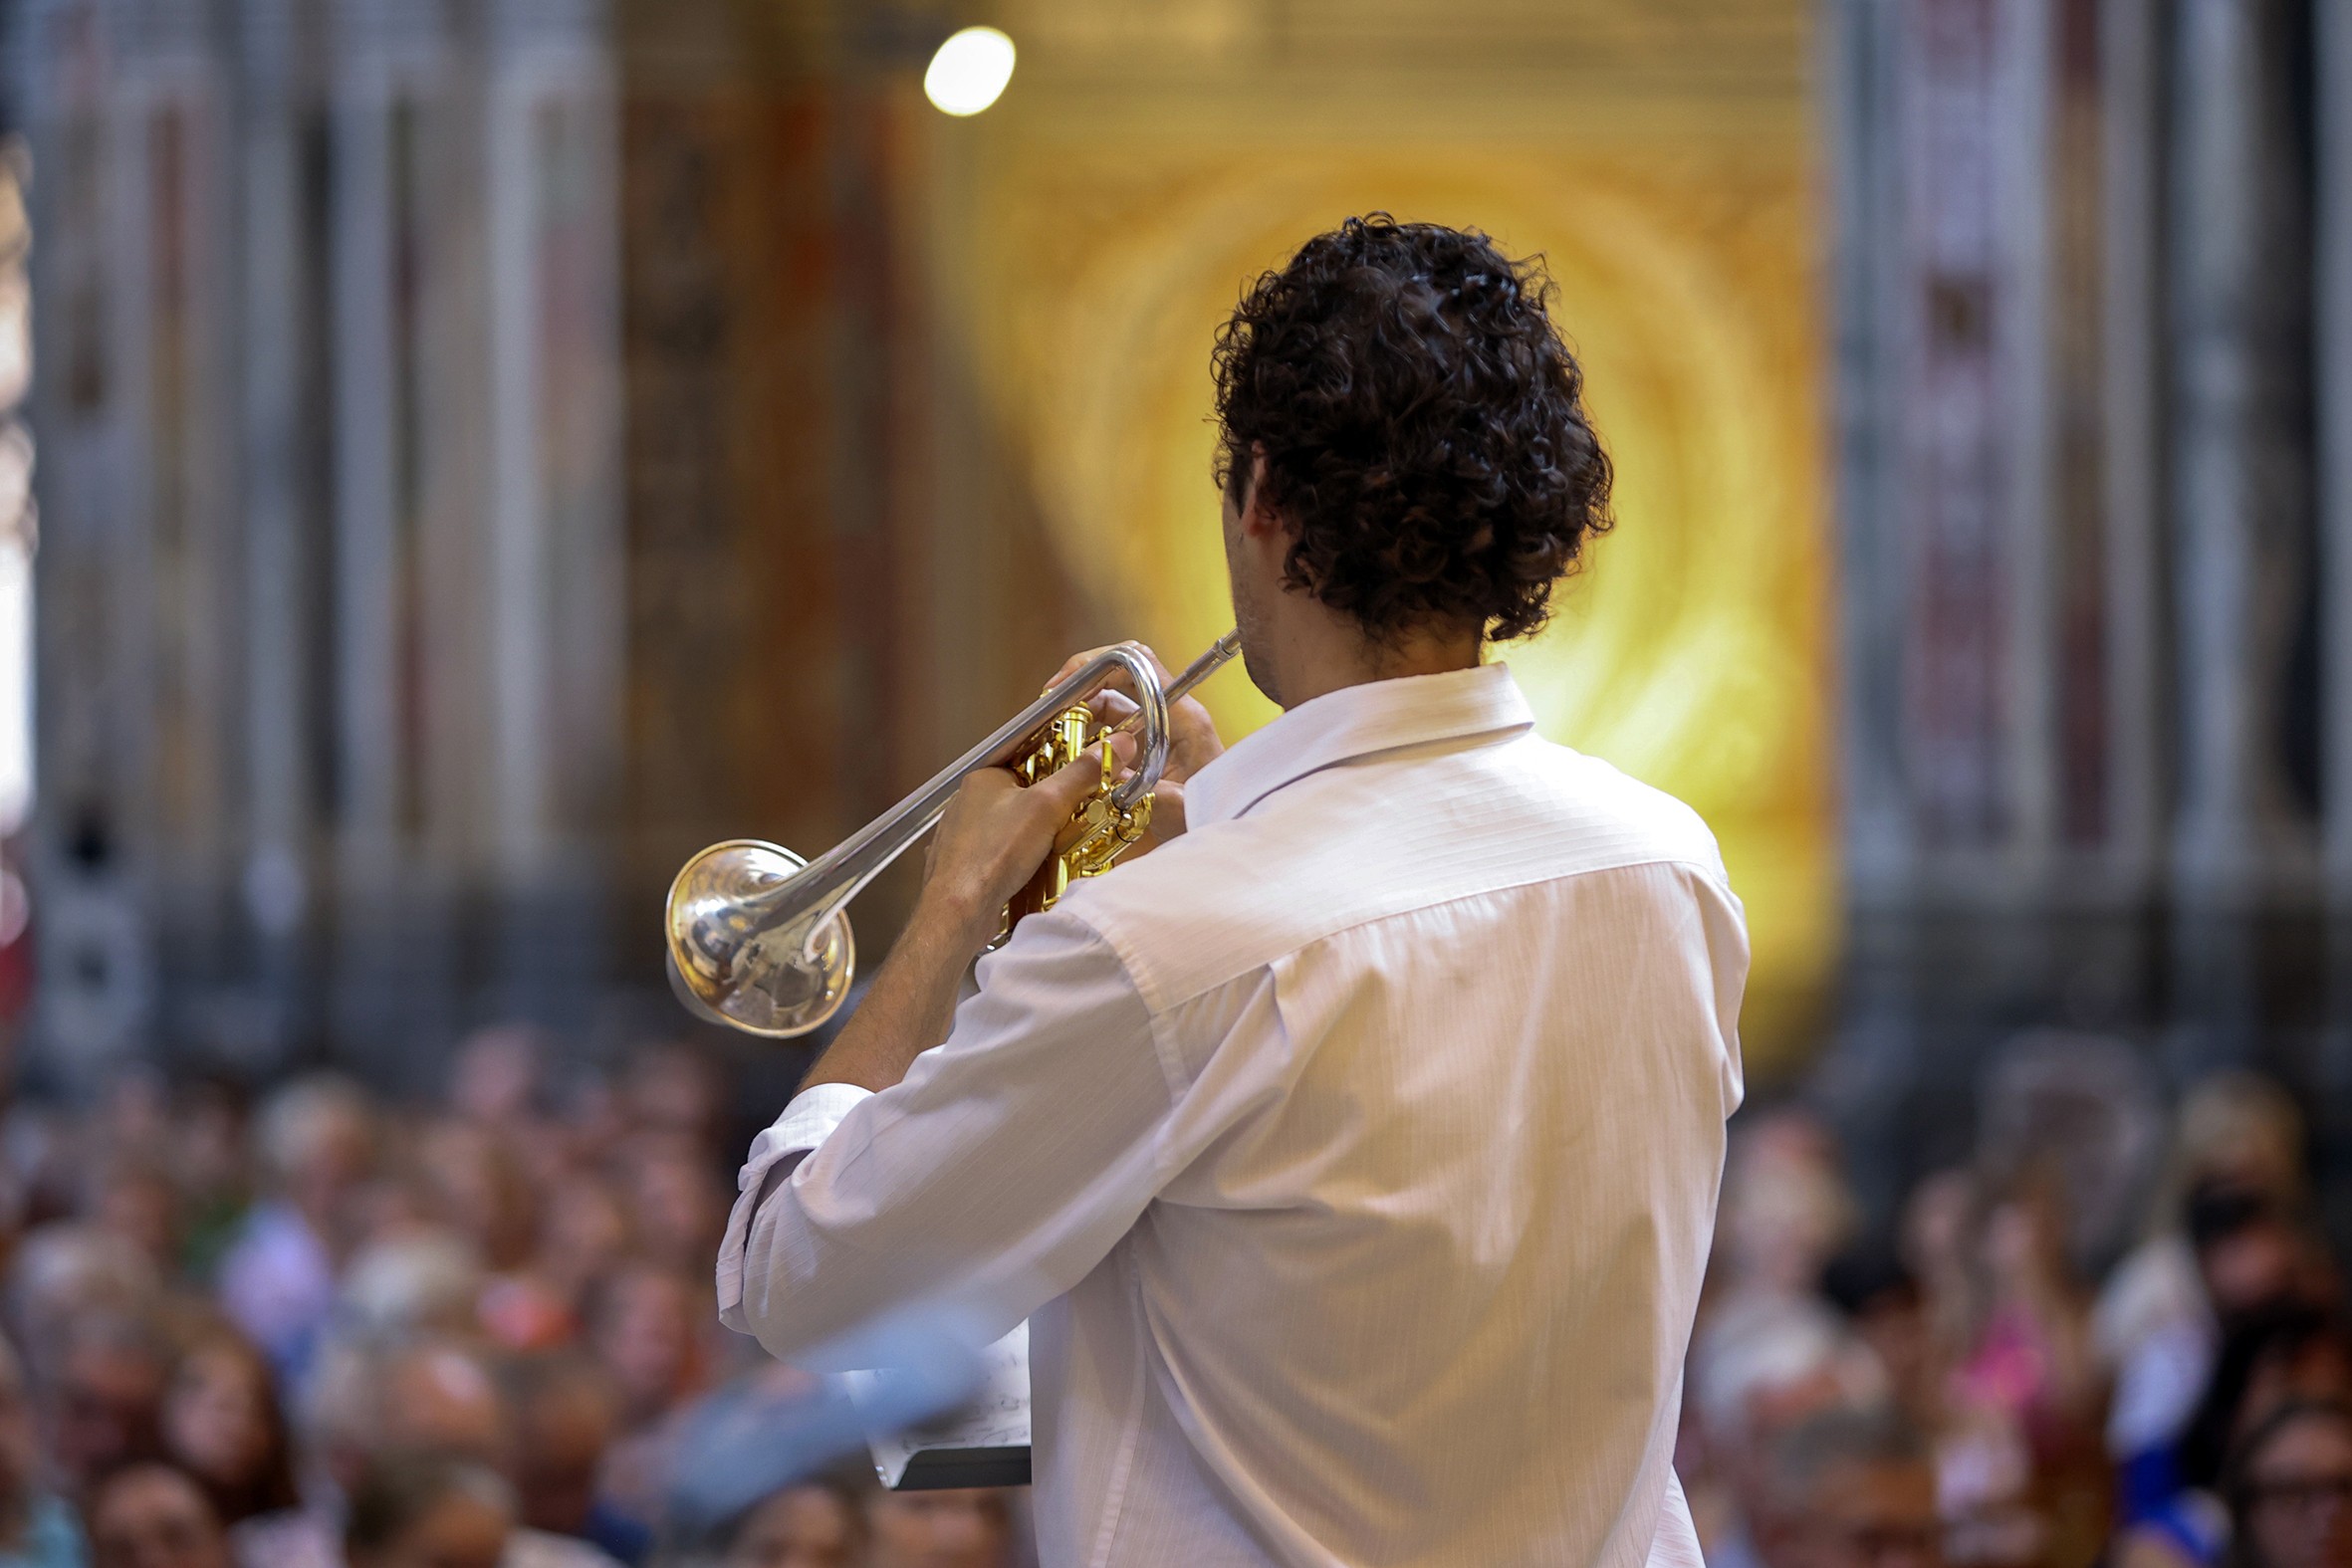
x: 724, y: 968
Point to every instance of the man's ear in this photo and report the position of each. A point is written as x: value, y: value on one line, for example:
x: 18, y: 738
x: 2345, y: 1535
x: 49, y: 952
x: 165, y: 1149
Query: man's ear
x: 1257, y: 519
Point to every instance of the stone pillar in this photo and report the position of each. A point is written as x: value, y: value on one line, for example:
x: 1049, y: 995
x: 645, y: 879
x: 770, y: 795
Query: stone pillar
x: 399, y: 195
x: 284, y: 444
x: 2332, y: 252
x: 1859, y: 68
x: 1868, y: 1067
x: 2130, y: 57
x: 2237, y: 503
x: 2332, y: 296
x: 555, y: 634
x: 96, y: 1000
x: 176, y: 170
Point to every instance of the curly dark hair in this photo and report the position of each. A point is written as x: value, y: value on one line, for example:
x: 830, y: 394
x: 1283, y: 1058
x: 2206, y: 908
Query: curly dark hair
x: 1422, y: 423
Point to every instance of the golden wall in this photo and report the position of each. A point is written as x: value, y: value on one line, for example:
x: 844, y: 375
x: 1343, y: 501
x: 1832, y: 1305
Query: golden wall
x: 1091, y: 232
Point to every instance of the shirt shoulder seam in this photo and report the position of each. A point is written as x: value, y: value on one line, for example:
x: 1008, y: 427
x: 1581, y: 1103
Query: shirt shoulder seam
x: 1156, y: 1012
x: 1171, y: 1081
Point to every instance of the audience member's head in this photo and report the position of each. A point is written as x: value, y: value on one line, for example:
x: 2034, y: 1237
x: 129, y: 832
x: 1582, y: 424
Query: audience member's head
x: 585, y: 1233
x: 2287, y: 1354
x: 150, y: 1514
x: 20, y: 1441
x: 672, y: 1086
x: 420, y: 1281
x: 223, y: 1424
x: 676, y: 1203
x: 2021, y: 1233
x: 2239, y: 1129
x: 1766, y: 1363
x: 1849, y: 1489
x: 2289, y: 1487
x: 428, y: 1510
x: 643, y: 1327
x: 64, y: 1273
x: 565, y: 1413
x: 2252, y: 1251
x: 817, y: 1523
x: 106, y: 1399
x: 316, y: 1141
x: 2083, y: 1109
x: 1786, y: 1209
x: 133, y: 1111
x: 494, y: 1080
x: 137, y: 1199
x: 939, y: 1529
x: 210, y: 1137
x: 1889, y: 1312
x: 480, y: 1190
x: 440, y: 1397
x: 1937, y: 1240
x: 427, y: 1396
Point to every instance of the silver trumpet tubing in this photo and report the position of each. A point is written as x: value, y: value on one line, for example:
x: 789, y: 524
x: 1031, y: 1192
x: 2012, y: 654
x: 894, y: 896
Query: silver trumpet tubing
x: 760, y: 940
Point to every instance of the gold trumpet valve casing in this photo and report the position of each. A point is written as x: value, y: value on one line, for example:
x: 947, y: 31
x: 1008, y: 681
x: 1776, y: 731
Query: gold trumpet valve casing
x: 1097, y: 833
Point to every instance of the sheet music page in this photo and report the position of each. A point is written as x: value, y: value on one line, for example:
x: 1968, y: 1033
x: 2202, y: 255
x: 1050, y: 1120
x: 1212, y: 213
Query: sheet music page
x: 996, y: 1417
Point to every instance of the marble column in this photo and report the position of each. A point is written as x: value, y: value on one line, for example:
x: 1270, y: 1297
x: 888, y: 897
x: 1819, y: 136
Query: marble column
x: 284, y: 442
x: 1869, y: 1066
x: 2130, y: 54
x: 1859, y: 68
x: 97, y: 951
x: 555, y: 631
x: 400, y: 197
x: 2332, y: 253
x: 2332, y: 300
x: 2237, y: 498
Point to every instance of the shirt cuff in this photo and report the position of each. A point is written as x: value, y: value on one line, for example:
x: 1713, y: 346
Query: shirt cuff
x: 805, y: 1123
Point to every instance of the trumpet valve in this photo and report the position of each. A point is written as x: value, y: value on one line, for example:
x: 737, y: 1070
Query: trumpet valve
x: 1097, y: 834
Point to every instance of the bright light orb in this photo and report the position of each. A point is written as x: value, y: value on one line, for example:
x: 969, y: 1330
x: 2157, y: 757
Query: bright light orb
x: 969, y: 71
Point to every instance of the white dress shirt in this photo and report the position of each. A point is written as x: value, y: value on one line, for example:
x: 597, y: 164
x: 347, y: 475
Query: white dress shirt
x: 1353, y: 1156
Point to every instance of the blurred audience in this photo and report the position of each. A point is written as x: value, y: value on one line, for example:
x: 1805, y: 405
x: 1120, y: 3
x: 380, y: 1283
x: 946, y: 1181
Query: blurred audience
x: 475, y: 1332
x: 2018, y: 1375
x: 345, y: 1332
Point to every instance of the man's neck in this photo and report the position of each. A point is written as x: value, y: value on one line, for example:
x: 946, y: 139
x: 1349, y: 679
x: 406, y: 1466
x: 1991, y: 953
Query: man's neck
x: 1316, y: 653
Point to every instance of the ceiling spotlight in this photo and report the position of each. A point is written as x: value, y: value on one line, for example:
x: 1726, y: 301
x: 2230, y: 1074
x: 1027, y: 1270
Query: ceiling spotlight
x: 969, y: 71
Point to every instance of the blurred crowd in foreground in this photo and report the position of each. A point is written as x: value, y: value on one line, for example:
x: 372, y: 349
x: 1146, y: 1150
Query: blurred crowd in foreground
x: 324, y: 1329
x: 2114, y: 1334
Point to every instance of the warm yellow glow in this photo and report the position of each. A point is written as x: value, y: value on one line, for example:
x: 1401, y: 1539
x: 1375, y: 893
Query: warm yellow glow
x: 969, y: 72
x: 1692, y: 653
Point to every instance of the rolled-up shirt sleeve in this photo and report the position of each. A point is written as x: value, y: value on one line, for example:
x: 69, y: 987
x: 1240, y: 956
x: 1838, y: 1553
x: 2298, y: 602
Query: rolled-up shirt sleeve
x: 1007, y: 1163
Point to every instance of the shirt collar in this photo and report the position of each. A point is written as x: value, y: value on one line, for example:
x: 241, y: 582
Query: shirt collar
x: 1353, y: 722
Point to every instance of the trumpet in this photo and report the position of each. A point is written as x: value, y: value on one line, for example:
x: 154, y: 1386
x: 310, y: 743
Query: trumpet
x: 760, y: 939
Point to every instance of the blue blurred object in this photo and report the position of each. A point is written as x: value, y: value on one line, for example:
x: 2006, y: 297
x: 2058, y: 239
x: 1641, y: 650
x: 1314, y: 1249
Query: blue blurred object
x: 764, y: 1432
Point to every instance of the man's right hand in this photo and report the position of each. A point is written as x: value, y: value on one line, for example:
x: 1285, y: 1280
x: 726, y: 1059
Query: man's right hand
x: 993, y: 836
